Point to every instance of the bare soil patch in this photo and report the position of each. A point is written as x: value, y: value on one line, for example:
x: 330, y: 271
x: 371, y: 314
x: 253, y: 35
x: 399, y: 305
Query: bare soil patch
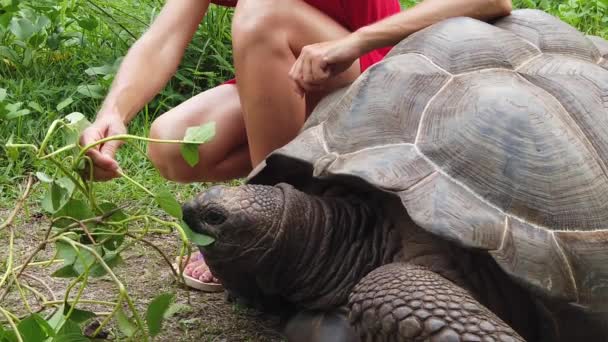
x: 203, y: 317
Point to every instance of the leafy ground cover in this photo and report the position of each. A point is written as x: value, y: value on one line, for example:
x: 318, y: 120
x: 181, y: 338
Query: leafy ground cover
x: 99, y: 254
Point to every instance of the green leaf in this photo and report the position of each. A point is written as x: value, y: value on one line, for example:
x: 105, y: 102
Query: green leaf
x: 111, y: 259
x: 167, y: 201
x: 66, y: 252
x: 77, y: 315
x: 196, y: 238
x: 35, y: 106
x: 200, y: 134
x: 156, y: 311
x: 22, y: 28
x: 124, y: 323
x: 190, y: 153
x: 94, y: 91
x: 44, y: 325
x: 65, y: 272
x: 13, y: 107
x: 100, y: 70
x: 2, y: 94
x: 74, y: 208
x: 63, y: 104
x: 55, y: 198
x: 31, y: 330
x: 43, y: 177
x: 70, y: 332
x: 5, y: 19
x: 18, y: 114
x: 117, y: 214
x: 195, y: 136
x: 76, y: 124
x: 88, y: 24
x: 8, y: 53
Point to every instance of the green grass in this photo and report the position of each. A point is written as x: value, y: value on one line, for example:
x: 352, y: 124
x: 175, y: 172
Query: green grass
x: 95, y: 34
x: 53, y: 67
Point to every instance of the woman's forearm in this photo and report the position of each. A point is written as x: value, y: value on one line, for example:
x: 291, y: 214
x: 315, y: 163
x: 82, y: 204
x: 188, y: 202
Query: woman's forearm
x: 392, y: 30
x: 153, y: 59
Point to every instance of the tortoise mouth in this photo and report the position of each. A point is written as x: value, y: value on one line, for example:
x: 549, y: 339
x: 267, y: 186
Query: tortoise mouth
x: 190, y: 217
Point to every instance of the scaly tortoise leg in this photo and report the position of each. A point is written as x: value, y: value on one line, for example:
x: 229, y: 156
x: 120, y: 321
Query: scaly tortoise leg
x: 404, y: 302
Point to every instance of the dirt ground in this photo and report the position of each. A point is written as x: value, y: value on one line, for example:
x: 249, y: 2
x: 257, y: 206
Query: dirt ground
x: 203, y: 317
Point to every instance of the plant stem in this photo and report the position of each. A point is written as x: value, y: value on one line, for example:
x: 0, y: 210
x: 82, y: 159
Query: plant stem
x: 19, y: 203
x: 11, y: 323
x: 122, y: 174
x: 59, y: 151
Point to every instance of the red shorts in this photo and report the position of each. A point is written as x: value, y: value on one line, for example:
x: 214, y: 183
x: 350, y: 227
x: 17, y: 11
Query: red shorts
x: 352, y: 14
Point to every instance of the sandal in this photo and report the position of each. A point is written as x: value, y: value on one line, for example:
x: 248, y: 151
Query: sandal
x: 195, y: 283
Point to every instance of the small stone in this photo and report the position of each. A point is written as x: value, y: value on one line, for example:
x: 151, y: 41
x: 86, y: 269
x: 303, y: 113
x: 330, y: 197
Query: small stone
x: 433, y: 324
x: 447, y: 335
x: 422, y: 314
x: 401, y: 312
x: 409, y: 327
x: 487, y: 326
x: 470, y: 338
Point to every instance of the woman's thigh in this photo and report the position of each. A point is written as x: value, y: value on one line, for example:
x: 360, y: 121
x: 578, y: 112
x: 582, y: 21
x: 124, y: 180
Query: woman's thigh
x: 225, y: 157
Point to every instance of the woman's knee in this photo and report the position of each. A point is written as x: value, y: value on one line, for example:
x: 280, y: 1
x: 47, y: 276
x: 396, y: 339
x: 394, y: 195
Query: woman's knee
x: 164, y: 157
x: 257, y: 22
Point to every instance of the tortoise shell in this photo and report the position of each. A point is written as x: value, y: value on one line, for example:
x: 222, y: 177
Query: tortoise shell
x: 494, y: 136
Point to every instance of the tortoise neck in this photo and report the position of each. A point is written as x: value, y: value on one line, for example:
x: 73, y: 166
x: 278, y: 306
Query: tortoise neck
x: 329, y: 243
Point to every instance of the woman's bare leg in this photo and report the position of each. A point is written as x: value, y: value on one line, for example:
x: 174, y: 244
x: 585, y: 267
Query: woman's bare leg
x: 268, y: 35
x: 225, y: 157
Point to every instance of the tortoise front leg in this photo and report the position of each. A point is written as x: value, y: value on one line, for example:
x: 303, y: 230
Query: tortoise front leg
x: 404, y: 302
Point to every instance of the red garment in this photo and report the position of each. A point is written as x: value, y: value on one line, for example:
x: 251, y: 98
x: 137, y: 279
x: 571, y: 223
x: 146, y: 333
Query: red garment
x: 352, y: 14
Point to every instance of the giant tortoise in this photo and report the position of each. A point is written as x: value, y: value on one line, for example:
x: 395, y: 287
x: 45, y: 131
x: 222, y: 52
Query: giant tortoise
x: 457, y: 191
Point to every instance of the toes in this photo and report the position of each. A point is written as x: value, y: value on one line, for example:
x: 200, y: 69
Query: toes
x: 206, y: 277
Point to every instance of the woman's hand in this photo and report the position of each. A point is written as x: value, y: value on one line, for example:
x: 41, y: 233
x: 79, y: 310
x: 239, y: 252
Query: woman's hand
x: 319, y: 62
x: 103, y: 156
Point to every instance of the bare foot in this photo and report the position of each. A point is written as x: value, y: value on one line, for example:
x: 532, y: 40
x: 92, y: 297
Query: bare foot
x: 197, y: 269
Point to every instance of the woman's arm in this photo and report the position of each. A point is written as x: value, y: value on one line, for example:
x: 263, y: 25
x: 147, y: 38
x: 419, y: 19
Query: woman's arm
x: 327, y: 59
x: 154, y: 58
x: 146, y: 69
x: 392, y: 30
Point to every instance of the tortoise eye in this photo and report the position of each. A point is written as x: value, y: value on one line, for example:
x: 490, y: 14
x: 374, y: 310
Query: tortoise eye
x: 214, y: 217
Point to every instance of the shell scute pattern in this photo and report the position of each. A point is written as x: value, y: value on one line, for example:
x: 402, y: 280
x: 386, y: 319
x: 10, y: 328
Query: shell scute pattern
x: 495, y: 144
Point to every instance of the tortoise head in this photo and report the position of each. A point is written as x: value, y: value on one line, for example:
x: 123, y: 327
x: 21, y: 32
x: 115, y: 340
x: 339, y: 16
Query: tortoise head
x: 238, y: 218
x: 246, y: 223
